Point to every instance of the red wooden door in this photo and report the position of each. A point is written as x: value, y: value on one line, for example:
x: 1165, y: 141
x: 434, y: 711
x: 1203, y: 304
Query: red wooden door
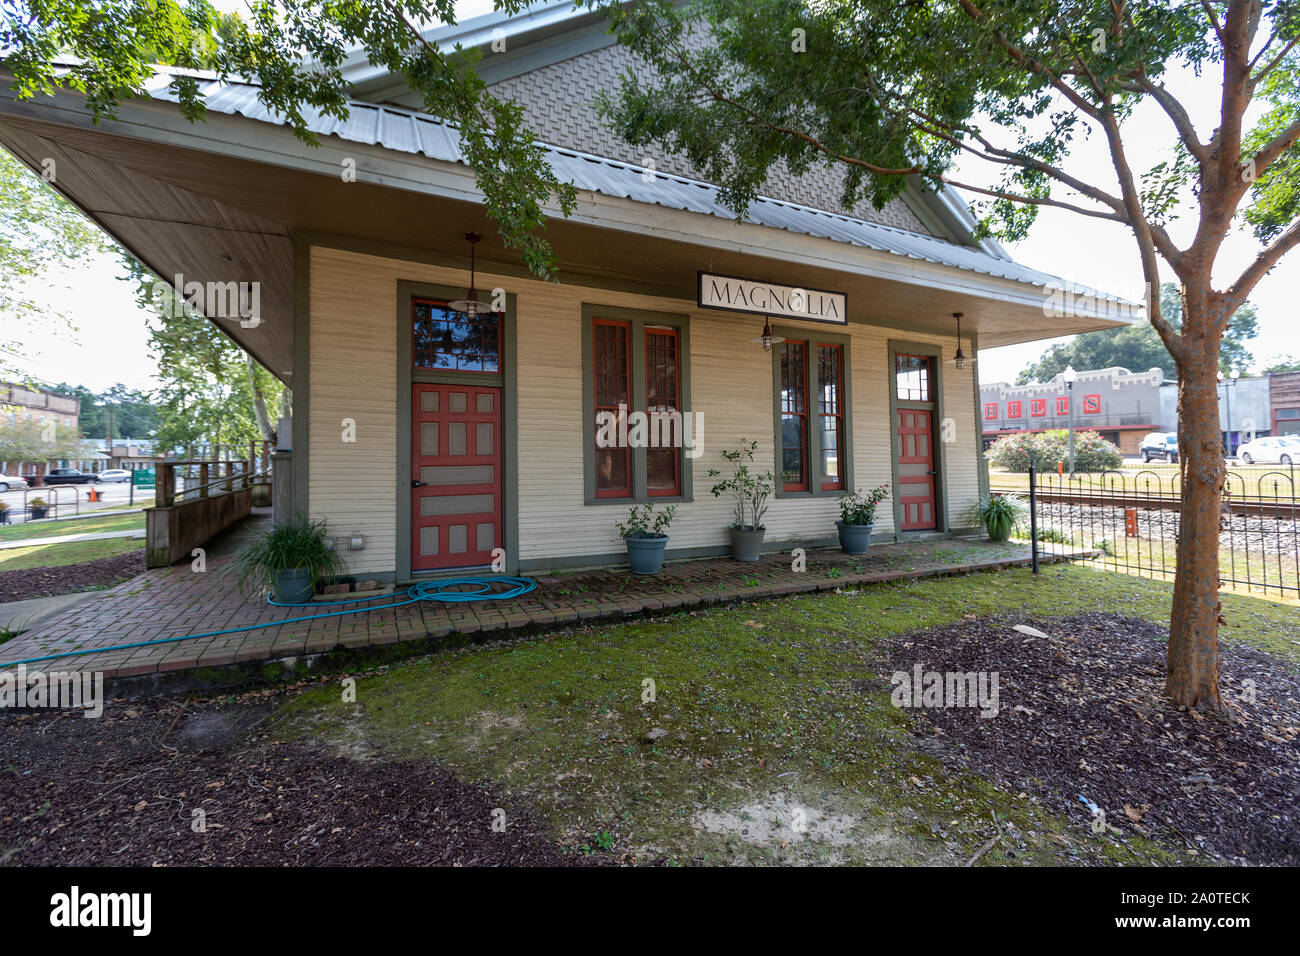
x: 916, y: 469
x: 455, y: 476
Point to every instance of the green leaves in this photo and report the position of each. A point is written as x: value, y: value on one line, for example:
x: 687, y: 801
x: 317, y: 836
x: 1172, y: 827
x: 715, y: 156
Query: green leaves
x: 295, y: 51
x: 883, y: 89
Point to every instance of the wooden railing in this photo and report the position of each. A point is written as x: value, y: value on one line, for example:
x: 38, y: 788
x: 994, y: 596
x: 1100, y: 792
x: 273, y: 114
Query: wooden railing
x: 224, y: 493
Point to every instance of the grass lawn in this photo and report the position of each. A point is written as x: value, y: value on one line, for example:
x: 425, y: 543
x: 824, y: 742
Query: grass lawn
x: 55, y: 529
x: 58, y: 555
x: 763, y: 714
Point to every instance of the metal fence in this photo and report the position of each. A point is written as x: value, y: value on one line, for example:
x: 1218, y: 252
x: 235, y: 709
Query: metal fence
x: 1128, y: 521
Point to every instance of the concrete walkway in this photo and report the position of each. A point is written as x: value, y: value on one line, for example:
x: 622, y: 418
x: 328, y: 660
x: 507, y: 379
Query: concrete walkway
x: 25, y: 615
x: 176, y: 601
x: 64, y: 539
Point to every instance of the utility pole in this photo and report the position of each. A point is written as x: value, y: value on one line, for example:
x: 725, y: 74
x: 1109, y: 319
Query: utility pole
x: 1069, y: 376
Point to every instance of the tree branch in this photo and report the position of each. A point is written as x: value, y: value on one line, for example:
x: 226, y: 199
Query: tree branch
x: 1275, y: 147
x: 1174, y: 110
x: 1268, y: 257
x: 1037, y: 201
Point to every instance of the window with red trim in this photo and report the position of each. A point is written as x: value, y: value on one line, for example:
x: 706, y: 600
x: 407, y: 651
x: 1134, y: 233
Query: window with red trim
x: 830, y: 389
x: 662, y: 391
x: 449, y: 341
x: 1063, y: 405
x: 1014, y: 410
x: 794, y: 416
x: 990, y: 409
x: 1092, y: 404
x: 613, y: 388
x: 1038, y: 407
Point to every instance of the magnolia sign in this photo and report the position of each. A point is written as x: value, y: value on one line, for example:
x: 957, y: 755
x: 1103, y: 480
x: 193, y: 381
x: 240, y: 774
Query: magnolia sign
x: 770, y: 298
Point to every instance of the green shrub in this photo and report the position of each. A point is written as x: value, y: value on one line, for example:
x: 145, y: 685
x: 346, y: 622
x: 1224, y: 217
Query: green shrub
x: 1015, y: 452
x: 301, y: 544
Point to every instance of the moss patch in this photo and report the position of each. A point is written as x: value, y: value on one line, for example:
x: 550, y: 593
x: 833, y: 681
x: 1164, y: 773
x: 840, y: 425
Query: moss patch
x: 761, y: 724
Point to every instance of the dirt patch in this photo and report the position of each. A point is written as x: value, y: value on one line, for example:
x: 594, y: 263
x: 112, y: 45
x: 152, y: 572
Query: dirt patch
x: 124, y: 790
x: 1081, y: 716
x: 65, y: 579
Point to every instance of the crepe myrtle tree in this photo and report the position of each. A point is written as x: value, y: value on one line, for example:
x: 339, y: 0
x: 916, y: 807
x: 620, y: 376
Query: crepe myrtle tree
x: 295, y: 51
x: 892, y: 90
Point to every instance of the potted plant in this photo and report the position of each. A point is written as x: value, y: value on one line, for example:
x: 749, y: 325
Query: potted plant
x: 997, y: 514
x: 858, y: 518
x: 643, y: 532
x: 290, y: 561
x: 749, y: 492
x: 37, y: 508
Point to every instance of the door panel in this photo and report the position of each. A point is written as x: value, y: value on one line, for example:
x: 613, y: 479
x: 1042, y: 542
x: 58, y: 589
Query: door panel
x: 916, y: 471
x: 456, y: 458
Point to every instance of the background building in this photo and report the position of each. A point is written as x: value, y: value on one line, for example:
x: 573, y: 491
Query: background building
x: 1284, y: 403
x: 1121, y: 405
x: 38, y: 405
x: 1124, y: 406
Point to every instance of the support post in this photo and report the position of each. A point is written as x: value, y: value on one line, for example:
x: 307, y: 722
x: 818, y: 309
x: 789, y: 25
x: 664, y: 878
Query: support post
x: 1033, y: 517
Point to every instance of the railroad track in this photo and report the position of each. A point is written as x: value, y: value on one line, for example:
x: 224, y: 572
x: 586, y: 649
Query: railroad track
x: 1252, y: 507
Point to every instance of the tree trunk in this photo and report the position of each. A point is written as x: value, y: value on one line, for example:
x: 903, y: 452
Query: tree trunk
x: 259, y: 399
x: 1193, y: 660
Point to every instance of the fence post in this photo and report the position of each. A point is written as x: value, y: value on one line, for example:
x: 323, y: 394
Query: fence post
x: 1033, y: 518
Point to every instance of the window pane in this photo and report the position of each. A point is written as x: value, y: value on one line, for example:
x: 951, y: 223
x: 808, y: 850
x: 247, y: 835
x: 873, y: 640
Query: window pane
x: 830, y: 384
x: 794, y: 416
x: 443, y: 339
x: 661, y: 471
x: 613, y: 388
x: 611, y: 471
x: 661, y: 387
x: 912, y: 377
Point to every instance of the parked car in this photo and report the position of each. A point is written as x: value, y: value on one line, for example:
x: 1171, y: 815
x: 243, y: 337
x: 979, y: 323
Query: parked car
x: 12, y: 483
x: 68, y: 476
x: 1162, y: 445
x: 1282, y: 450
x: 113, y: 474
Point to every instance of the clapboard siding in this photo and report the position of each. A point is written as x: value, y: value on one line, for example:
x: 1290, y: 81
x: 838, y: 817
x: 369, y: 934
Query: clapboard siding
x: 353, y: 375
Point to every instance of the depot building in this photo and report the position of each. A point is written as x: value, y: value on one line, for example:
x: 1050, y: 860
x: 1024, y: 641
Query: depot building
x: 442, y: 433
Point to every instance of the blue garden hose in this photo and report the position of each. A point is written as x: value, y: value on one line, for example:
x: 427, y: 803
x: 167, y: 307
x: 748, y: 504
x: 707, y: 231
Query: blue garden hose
x: 479, y: 589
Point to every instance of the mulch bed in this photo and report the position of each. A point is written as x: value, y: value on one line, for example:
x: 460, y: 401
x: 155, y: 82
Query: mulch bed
x: 47, y: 582
x: 1082, y: 714
x: 122, y: 790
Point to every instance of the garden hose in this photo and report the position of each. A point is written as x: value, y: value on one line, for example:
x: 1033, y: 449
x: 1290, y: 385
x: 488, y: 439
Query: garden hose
x: 496, y: 587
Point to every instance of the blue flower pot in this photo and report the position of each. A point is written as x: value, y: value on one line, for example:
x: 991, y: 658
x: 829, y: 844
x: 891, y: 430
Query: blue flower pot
x: 854, y: 538
x: 646, y: 555
x: 293, y: 586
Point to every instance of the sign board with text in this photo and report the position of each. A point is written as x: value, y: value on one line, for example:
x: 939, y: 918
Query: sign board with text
x: 733, y: 294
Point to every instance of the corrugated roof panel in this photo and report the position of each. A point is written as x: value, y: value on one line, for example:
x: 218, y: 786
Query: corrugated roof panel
x: 413, y: 132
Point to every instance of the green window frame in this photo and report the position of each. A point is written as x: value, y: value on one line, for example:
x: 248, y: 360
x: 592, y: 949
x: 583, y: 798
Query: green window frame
x: 809, y: 400
x: 639, y: 323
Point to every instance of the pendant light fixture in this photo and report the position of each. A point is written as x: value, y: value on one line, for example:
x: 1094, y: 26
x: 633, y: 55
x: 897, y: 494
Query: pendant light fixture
x: 959, y: 360
x: 471, y: 305
x: 767, y: 339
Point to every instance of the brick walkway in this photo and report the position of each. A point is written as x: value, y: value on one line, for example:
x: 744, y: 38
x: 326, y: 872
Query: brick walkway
x: 176, y: 601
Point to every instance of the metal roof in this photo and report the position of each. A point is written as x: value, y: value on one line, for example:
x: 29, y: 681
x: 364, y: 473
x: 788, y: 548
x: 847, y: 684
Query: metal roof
x: 413, y: 132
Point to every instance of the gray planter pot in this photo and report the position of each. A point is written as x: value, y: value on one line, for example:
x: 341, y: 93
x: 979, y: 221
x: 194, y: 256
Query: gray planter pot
x: 747, y: 543
x: 293, y: 586
x: 646, y: 555
x: 854, y: 538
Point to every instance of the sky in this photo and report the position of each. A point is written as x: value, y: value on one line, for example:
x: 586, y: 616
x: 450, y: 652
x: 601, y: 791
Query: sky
x: 109, y: 344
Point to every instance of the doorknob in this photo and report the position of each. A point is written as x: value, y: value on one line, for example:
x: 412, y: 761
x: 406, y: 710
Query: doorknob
x: 932, y: 473
x: 417, y: 484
